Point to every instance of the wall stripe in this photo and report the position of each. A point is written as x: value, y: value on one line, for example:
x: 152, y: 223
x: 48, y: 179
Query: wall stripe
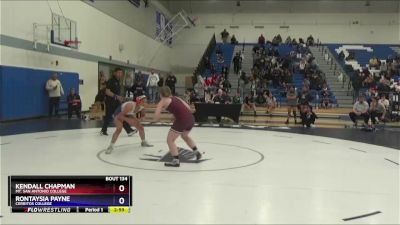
x: 14, y: 42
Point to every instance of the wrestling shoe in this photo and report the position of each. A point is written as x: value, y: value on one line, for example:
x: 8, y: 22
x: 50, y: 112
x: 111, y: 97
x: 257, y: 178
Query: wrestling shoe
x: 146, y: 144
x: 103, y: 133
x: 109, y: 150
x: 198, y: 154
x: 173, y: 163
x: 133, y: 132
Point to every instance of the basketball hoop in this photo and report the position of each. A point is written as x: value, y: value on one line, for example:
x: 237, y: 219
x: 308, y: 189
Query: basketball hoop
x: 72, y: 43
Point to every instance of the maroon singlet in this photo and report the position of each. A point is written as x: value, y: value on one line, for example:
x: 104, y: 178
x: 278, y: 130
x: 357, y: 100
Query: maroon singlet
x: 184, y: 120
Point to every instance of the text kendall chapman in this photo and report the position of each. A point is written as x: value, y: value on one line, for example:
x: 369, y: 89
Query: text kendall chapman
x: 44, y: 186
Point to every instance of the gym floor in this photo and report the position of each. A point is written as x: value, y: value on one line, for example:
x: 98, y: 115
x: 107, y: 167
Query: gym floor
x: 250, y: 174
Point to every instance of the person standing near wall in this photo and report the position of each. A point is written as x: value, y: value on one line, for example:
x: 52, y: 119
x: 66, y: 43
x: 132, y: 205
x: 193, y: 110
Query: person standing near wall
x: 55, y: 89
x: 113, y: 101
x: 171, y: 82
x: 152, y: 84
x: 128, y: 83
x: 74, y: 104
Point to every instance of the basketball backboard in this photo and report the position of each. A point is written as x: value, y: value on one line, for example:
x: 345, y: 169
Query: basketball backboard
x: 63, y: 31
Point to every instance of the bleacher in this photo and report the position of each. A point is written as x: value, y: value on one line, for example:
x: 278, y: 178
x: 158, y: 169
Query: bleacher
x: 227, y: 52
x: 284, y: 50
x: 363, y: 53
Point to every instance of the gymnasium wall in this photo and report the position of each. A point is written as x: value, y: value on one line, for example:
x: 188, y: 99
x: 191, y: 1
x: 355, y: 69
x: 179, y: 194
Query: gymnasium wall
x: 379, y: 28
x: 23, y: 93
x: 100, y: 34
x: 141, y: 19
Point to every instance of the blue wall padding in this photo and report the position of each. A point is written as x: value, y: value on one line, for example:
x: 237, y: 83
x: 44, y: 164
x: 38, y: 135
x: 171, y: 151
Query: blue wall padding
x: 23, y: 94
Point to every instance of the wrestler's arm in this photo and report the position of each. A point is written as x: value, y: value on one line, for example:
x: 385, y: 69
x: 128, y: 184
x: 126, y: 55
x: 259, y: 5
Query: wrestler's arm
x: 157, y: 113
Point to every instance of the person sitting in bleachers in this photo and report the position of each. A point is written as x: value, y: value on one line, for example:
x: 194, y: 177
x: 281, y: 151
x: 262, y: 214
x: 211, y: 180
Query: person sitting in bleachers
x: 377, y: 111
x: 384, y: 101
x: 341, y: 56
x: 304, y: 98
x: 260, y: 99
x: 74, y: 104
x: 326, y: 99
x: 308, y: 117
x: 374, y: 63
x: 237, y: 99
x: 384, y: 83
x: 270, y: 102
x: 360, y: 110
x: 351, y: 56
x: 249, y: 103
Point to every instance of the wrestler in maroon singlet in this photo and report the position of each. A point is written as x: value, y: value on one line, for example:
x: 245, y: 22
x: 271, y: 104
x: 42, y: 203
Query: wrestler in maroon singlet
x: 184, y: 120
x: 183, y: 124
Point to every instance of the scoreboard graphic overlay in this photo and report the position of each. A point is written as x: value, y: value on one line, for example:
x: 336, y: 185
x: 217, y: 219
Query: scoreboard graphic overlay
x: 70, y: 194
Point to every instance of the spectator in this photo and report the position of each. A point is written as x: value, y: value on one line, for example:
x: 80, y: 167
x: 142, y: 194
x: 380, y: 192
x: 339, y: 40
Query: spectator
x: 310, y: 41
x: 74, y: 104
x: 128, y: 82
x: 261, y: 40
x: 160, y: 84
x: 341, y: 56
x: 236, y: 99
x: 171, y: 82
x: 55, y: 89
x: 199, y: 90
x: 377, y: 111
x: 288, y: 40
x: 233, y: 40
x: 326, y: 96
x: 373, y: 63
x: 100, y: 97
x: 249, y: 103
x: 294, y: 42
x: 138, y: 76
x: 237, y: 61
x: 292, y: 103
x: 384, y: 84
x: 308, y: 117
x: 224, y: 36
x: 221, y: 97
x: 113, y: 101
x: 208, y: 96
x: 260, y: 99
x: 271, y: 102
x: 138, y: 89
x: 384, y: 101
x: 152, y: 84
x: 356, y: 82
x: 305, y: 99
x: 351, y: 56
x: 360, y: 109
x: 207, y: 62
x: 243, y: 80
